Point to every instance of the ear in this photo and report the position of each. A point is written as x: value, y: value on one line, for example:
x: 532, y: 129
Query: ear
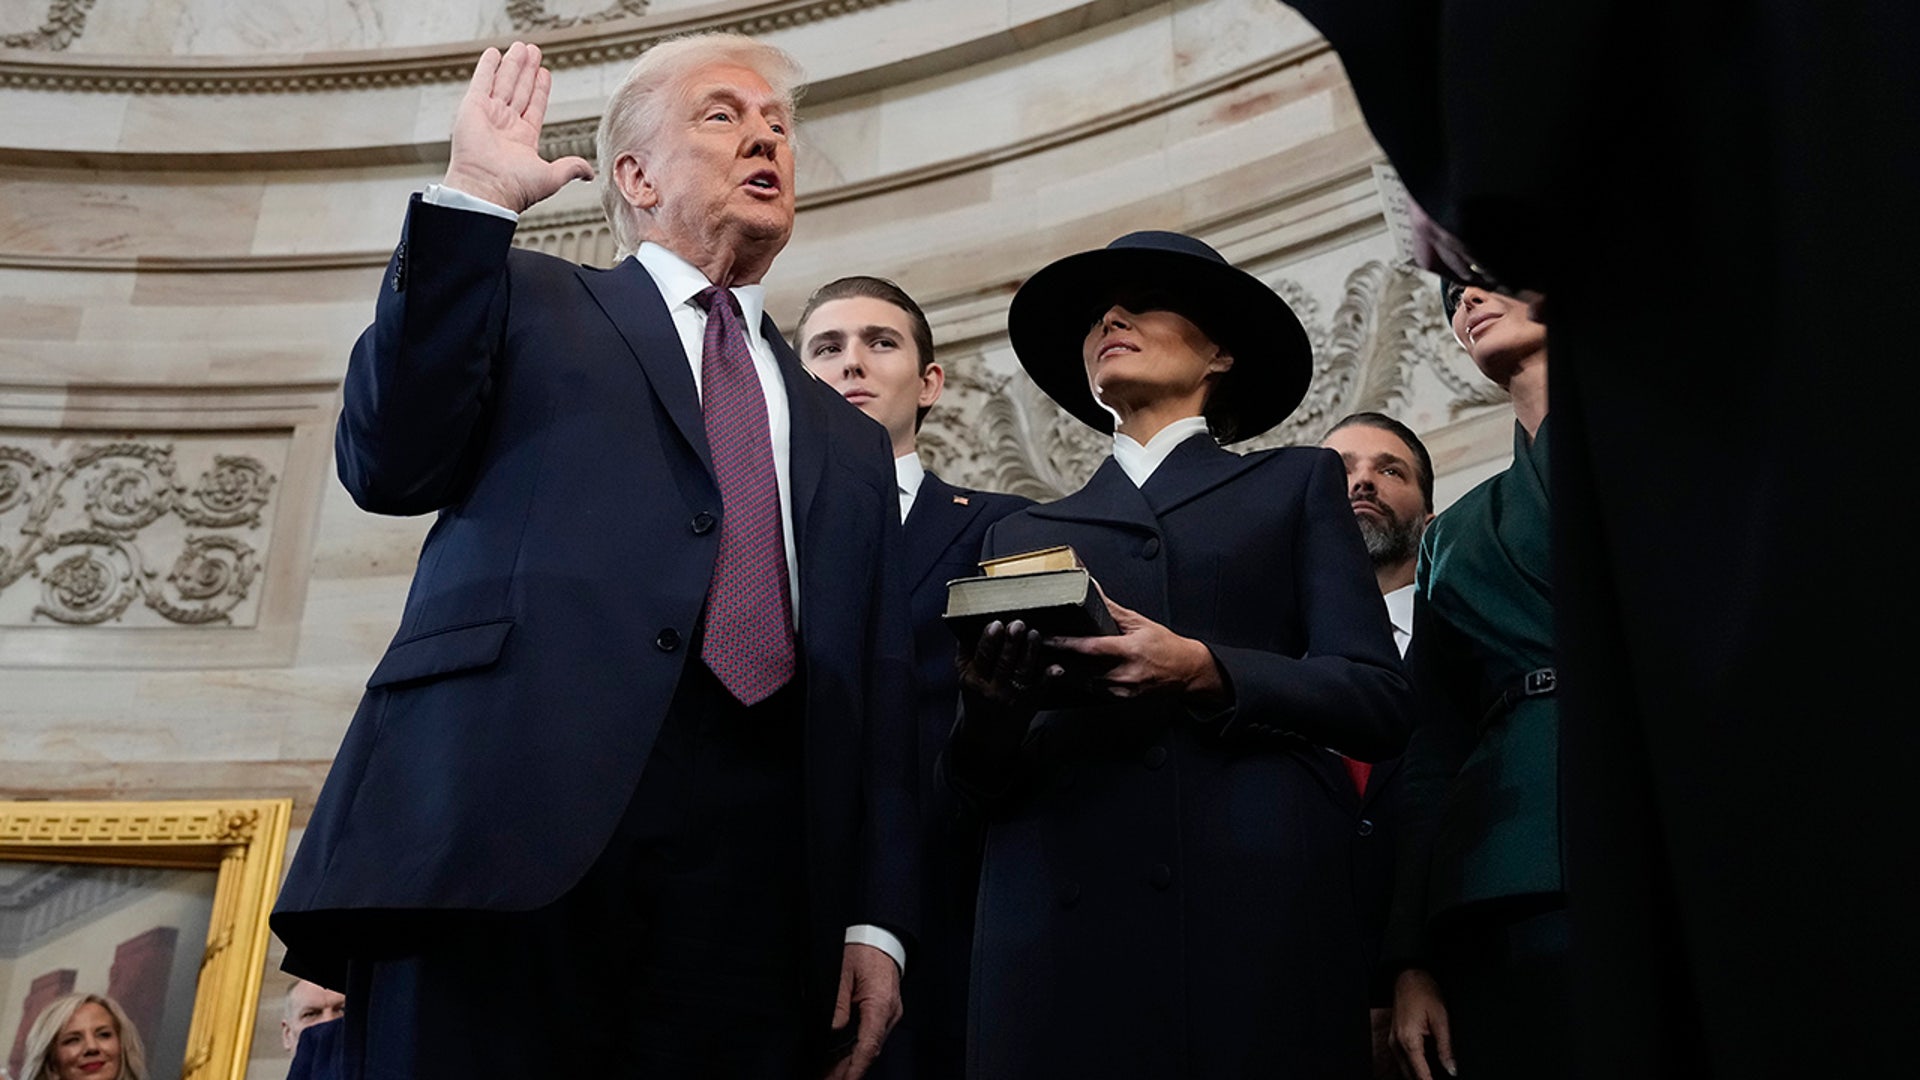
x: 1221, y: 363
x: 932, y: 382
x: 635, y: 184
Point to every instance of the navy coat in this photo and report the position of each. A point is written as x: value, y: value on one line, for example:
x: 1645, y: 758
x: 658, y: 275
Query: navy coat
x: 548, y: 413
x: 944, y: 532
x: 1167, y: 893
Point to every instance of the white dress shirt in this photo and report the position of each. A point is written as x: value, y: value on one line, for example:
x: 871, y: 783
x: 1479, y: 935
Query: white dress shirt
x: 679, y: 282
x: 1139, y: 462
x: 1400, y: 613
x: 909, y: 472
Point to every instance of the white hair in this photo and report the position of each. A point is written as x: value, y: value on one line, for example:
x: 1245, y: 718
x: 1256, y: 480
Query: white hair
x: 638, y: 107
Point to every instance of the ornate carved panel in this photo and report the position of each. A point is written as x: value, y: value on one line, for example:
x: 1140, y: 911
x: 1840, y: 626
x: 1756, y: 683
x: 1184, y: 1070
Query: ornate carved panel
x: 538, y: 14
x: 63, y: 24
x: 142, y: 531
x: 158, y: 526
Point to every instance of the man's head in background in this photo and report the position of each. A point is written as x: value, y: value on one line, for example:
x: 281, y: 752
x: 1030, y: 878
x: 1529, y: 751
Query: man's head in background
x: 1390, y: 487
x: 866, y: 338
x: 308, y: 1004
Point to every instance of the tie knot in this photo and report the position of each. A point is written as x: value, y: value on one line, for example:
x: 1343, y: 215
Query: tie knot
x: 707, y: 296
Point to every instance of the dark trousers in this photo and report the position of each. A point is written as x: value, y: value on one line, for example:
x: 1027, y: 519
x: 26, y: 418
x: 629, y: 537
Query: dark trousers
x: 681, y: 953
x: 1504, y: 982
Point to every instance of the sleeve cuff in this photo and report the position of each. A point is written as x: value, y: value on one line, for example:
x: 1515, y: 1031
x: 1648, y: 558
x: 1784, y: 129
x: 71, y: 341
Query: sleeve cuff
x: 455, y: 199
x: 880, y: 939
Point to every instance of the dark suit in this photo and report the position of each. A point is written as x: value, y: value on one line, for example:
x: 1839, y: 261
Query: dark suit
x: 944, y: 532
x: 548, y: 413
x: 1724, y: 638
x: 1165, y: 893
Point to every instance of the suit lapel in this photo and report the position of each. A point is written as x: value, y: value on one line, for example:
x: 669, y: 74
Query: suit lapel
x: 932, y: 526
x: 1194, y: 468
x: 632, y: 302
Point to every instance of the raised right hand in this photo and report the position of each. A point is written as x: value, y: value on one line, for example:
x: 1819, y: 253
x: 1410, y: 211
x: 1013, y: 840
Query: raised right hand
x: 496, y: 133
x: 1419, y: 1014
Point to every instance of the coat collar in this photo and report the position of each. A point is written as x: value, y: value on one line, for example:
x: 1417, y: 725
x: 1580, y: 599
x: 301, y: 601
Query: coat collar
x: 1195, y: 467
x: 1107, y: 498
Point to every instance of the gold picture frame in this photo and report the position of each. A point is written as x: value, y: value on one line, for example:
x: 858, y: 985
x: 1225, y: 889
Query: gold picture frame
x: 243, y: 841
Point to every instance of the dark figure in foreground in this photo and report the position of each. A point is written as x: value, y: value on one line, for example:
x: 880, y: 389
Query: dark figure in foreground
x: 1166, y: 888
x: 1724, y: 637
x: 866, y: 338
x: 642, y: 746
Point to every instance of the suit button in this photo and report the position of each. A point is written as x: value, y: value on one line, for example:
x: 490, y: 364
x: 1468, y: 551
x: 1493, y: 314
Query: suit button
x: 1070, y: 895
x: 1155, y: 757
x: 1151, y: 548
x: 702, y: 523
x: 1365, y: 828
x: 668, y: 640
x: 1160, y: 876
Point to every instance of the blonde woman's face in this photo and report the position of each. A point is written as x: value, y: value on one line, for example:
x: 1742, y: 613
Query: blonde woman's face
x: 88, y: 1048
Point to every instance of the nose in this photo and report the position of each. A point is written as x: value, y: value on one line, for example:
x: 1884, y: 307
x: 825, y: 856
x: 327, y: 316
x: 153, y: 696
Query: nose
x: 1359, y: 481
x: 762, y: 140
x: 1115, y: 318
x: 851, y: 365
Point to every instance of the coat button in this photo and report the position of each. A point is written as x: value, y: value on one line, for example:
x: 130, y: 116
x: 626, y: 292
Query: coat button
x: 1365, y: 828
x: 702, y: 523
x: 1070, y: 895
x: 1160, y: 876
x: 1151, y: 548
x: 1155, y: 756
x: 668, y: 640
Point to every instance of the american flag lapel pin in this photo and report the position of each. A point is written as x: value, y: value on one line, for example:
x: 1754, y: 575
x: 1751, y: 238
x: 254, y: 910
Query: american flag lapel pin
x: 960, y: 500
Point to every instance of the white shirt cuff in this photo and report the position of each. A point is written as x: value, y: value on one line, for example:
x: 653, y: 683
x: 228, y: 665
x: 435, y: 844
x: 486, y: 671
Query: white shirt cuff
x: 882, y: 940
x: 455, y: 199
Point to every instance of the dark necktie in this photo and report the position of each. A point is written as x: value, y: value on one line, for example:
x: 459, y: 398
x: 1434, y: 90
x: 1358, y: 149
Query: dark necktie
x: 749, y: 626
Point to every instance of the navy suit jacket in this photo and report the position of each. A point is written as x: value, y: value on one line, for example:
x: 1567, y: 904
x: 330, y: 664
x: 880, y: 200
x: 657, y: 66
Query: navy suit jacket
x: 547, y: 412
x: 1168, y: 892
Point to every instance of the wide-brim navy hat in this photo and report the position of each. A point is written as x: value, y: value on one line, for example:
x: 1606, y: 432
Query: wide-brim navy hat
x: 1272, y: 359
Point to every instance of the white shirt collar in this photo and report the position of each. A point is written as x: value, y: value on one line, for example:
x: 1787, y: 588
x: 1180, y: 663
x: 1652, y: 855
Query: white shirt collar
x: 1139, y: 462
x: 908, y: 470
x: 680, y: 281
x: 1400, y: 614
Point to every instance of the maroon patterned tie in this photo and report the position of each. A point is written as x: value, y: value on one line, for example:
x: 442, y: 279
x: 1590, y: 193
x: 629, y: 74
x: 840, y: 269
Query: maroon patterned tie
x: 749, y: 631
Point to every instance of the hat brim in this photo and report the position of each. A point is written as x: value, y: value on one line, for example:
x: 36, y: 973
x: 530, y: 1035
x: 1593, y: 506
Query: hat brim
x: 1272, y: 357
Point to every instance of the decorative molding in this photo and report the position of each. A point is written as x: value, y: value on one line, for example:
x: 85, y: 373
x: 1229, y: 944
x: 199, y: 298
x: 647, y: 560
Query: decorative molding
x: 66, y: 20
x: 32, y: 825
x: 533, y: 14
x: 93, y: 572
x: 577, y: 46
x: 570, y: 137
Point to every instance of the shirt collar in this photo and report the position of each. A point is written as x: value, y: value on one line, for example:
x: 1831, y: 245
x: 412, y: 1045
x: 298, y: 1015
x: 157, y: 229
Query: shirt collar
x: 1139, y: 462
x: 679, y: 282
x: 908, y: 470
x: 1400, y: 608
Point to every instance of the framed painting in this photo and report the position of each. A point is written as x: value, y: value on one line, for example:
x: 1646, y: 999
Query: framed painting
x: 159, y: 906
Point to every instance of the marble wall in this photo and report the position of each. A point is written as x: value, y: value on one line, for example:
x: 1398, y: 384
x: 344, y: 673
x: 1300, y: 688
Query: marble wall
x: 197, y: 198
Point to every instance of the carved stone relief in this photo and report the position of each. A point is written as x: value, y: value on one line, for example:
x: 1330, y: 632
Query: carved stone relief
x: 999, y: 432
x: 65, y: 21
x: 536, y: 14
x: 137, y: 532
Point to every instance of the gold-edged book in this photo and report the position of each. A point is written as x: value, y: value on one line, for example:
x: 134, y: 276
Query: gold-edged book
x: 1048, y: 590
x: 1061, y: 557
